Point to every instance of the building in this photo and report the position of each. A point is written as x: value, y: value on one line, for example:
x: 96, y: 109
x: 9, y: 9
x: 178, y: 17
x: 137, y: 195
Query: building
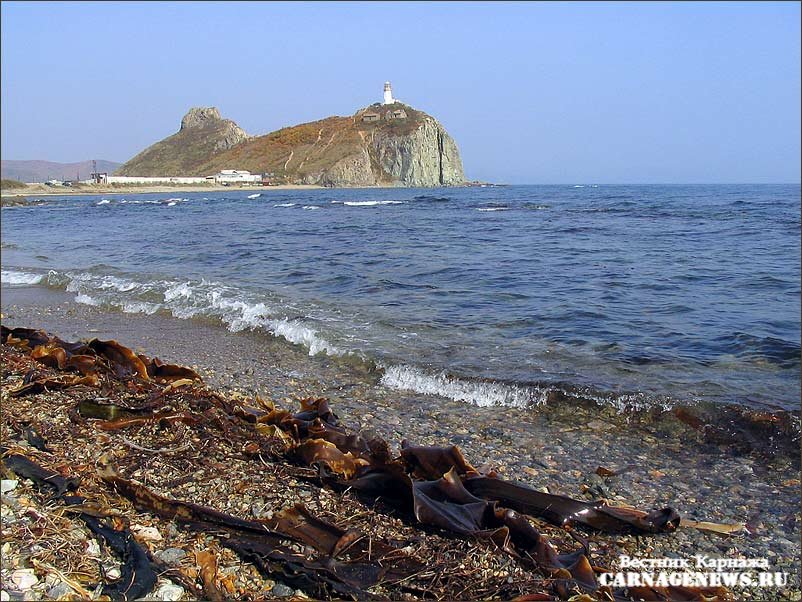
x: 235, y: 176
x: 388, y: 94
x: 397, y: 114
x: 368, y: 117
x: 152, y: 180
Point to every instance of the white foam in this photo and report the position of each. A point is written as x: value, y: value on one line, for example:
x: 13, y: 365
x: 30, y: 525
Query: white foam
x: 492, y: 208
x: 371, y: 203
x: 19, y: 278
x: 285, y: 205
x: 86, y: 299
x: 170, y: 204
x: 179, y: 290
x: 254, y: 196
x: 104, y: 202
x: 311, y: 207
x: 141, y: 307
x: 297, y: 333
x: 479, y: 393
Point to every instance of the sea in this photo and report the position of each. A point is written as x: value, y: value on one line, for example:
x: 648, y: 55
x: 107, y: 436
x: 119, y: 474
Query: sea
x: 635, y: 296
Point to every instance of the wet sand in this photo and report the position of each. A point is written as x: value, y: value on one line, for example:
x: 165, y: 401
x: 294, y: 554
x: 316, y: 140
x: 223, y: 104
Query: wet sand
x: 557, y: 447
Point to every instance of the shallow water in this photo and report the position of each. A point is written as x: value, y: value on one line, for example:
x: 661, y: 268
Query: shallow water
x: 635, y: 295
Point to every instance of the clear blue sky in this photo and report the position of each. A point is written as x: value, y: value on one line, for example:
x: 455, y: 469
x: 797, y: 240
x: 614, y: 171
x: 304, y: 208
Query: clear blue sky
x: 532, y: 92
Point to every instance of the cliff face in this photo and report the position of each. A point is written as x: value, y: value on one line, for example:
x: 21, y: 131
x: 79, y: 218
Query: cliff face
x: 393, y: 145
x: 203, y: 134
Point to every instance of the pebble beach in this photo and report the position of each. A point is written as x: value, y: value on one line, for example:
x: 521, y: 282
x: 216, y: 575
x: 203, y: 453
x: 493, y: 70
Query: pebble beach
x: 651, y: 463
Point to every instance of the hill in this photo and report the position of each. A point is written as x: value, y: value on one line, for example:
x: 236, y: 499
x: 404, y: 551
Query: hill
x: 42, y: 171
x: 380, y: 145
x: 203, y: 135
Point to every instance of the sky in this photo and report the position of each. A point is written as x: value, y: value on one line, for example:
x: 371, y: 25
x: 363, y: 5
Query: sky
x: 533, y: 93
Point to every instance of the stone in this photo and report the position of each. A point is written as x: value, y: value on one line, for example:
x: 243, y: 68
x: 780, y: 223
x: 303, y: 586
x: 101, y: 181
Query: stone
x: 7, y: 485
x: 168, y: 591
x: 24, y: 579
x: 59, y: 591
x: 282, y: 591
x: 172, y: 555
x: 147, y: 533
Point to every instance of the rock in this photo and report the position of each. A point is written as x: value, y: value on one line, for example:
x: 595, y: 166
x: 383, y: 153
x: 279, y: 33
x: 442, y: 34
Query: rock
x: 168, y: 591
x: 59, y: 591
x: 203, y: 134
x: 282, y: 591
x: 172, y: 555
x: 7, y: 485
x: 24, y: 579
x: 414, y: 150
x: 93, y: 548
x: 147, y: 533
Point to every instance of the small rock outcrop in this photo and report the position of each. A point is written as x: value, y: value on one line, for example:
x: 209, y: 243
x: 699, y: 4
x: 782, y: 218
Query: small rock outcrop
x: 203, y: 134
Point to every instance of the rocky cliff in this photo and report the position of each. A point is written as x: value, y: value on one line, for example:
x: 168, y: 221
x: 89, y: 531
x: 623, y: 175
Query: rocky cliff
x: 203, y: 135
x: 380, y: 145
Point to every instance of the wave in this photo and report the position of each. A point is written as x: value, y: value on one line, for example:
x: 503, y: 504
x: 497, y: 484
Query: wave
x: 479, y: 393
x: 492, y: 208
x: 285, y: 205
x: 371, y: 203
x: 254, y: 196
x: 311, y: 207
x: 235, y: 308
x: 14, y: 278
x: 425, y: 198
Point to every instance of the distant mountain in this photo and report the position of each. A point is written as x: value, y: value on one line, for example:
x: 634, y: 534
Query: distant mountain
x: 380, y: 145
x: 42, y: 171
x: 203, y: 135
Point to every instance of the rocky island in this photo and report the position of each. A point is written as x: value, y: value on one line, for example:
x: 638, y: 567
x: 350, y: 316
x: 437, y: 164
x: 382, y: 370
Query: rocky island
x: 384, y: 144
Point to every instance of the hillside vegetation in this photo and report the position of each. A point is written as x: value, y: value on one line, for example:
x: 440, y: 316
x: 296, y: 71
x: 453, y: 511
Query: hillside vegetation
x: 336, y: 151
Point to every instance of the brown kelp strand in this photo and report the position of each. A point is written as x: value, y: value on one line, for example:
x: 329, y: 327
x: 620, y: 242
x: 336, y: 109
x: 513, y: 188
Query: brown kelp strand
x: 139, y: 411
x: 137, y: 576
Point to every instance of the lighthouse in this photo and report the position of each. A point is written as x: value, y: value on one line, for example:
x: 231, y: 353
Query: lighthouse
x: 388, y: 94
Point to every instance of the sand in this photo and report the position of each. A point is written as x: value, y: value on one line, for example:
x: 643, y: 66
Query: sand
x: 42, y: 190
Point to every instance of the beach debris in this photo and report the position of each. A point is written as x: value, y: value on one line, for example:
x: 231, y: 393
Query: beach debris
x: 136, y: 575
x: 431, y: 489
x: 718, y: 528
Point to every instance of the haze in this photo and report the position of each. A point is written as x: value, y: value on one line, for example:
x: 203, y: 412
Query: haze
x: 532, y: 93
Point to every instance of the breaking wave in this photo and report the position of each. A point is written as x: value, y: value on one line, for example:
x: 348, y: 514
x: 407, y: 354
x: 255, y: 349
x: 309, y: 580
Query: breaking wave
x: 479, y: 393
x: 235, y: 308
x: 11, y: 277
x: 371, y: 203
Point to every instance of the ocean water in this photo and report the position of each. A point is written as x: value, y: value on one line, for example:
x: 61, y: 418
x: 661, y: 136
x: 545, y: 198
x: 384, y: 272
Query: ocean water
x: 631, y: 295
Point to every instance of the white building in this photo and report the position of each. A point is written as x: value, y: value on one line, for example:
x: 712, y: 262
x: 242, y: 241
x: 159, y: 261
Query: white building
x: 388, y: 94
x: 153, y: 180
x: 236, y: 176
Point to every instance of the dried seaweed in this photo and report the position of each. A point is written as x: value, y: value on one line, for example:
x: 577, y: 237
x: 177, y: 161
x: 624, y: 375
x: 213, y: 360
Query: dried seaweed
x: 264, y: 543
x: 137, y: 577
x: 565, y: 511
x: 435, y: 487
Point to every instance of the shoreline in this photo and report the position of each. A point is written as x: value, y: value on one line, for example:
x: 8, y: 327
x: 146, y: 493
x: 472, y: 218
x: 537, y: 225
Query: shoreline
x: 558, y: 448
x: 42, y: 190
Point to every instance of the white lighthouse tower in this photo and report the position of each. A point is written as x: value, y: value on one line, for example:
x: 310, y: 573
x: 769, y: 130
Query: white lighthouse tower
x: 388, y: 94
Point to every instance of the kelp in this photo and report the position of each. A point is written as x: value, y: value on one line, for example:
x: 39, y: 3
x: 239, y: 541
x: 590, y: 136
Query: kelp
x: 93, y: 357
x: 442, y: 489
x: 436, y: 488
x: 264, y: 542
x: 565, y: 511
x: 137, y: 577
